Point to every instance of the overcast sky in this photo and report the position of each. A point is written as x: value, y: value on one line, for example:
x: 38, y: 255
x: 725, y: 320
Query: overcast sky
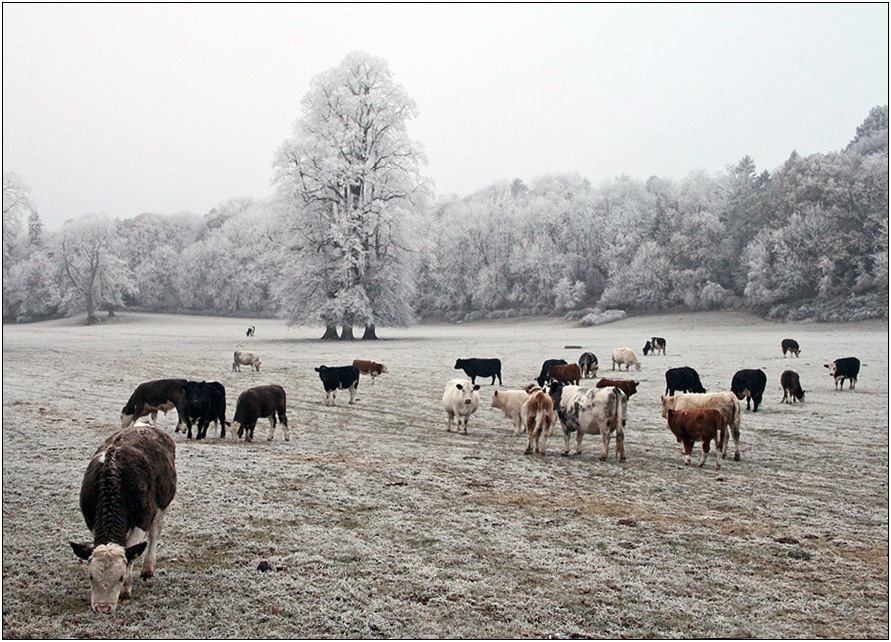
x: 123, y: 109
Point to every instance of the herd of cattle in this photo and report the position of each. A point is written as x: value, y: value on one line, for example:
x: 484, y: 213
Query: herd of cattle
x: 131, y: 479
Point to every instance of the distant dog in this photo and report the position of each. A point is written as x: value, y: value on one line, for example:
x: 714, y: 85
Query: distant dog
x: 250, y: 331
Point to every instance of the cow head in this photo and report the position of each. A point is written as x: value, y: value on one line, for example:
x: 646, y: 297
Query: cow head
x: 666, y: 403
x: 460, y: 363
x: 126, y: 419
x: 467, y: 392
x: 647, y: 347
x: 109, y: 567
x: 832, y: 368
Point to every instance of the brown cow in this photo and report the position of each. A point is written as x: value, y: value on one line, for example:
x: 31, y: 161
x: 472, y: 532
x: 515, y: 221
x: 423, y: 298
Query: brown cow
x: 569, y: 373
x: 628, y: 387
x: 701, y: 424
x: 538, y: 415
x: 791, y: 387
x: 370, y: 368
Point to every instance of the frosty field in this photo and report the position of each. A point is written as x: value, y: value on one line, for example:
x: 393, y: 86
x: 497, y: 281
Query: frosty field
x: 379, y: 523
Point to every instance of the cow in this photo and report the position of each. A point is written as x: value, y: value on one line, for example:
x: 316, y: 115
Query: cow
x: 256, y: 403
x: 749, y: 385
x: 245, y: 358
x: 841, y: 369
x: 474, y: 368
x: 370, y: 368
x: 700, y: 424
x: 339, y: 378
x: 203, y: 403
x: 152, y: 396
x: 538, y: 417
x: 250, y: 331
x: 568, y: 373
x: 625, y: 356
x: 586, y: 410
x: 724, y: 402
x: 683, y: 379
x: 791, y: 387
x: 791, y: 346
x: 628, y: 387
x: 588, y: 364
x: 460, y: 400
x: 654, y: 345
x: 510, y: 402
x: 546, y: 368
x: 126, y: 491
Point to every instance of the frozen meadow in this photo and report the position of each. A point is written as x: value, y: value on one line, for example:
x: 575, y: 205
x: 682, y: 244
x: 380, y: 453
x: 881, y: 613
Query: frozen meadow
x: 376, y: 522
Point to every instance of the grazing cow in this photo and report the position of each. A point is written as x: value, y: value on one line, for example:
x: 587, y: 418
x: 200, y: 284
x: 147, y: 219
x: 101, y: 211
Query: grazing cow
x: 546, y: 368
x: 791, y: 387
x: 245, y: 358
x: 654, y: 345
x: 790, y: 345
x: 251, y: 330
x: 255, y: 403
x: 460, y: 400
x: 474, y: 368
x: 339, y: 378
x: 628, y: 387
x: 370, y: 368
x: 152, y: 396
x: 588, y: 364
x: 724, y: 402
x: 841, y: 369
x: 591, y: 411
x: 625, y: 356
x: 749, y: 385
x: 511, y: 403
x: 538, y: 416
x: 568, y: 373
x: 203, y: 403
x: 127, y: 488
x: 683, y: 379
x: 700, y: 424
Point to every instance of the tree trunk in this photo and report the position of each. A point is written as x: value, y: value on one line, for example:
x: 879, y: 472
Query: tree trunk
x: 330, y: 333
x: 92, y: 319
x: 346, y: 333
x: 370, y: 334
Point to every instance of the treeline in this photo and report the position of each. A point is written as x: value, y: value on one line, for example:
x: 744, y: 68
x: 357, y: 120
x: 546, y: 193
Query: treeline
x: 807, y: 240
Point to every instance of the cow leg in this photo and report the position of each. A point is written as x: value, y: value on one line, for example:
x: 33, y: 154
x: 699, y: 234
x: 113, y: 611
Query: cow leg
x: 283, y: 418
x: 154, y: 534
x: 545, y: 433
x: 271, y: 427
x: 449, y: 423
x: 620, y: 445
x: 706, y: 444
x: 154, y: 416
x: 565, y: 442
x: 352, y: 390
x: 578, y: 442
x: 688, y: 451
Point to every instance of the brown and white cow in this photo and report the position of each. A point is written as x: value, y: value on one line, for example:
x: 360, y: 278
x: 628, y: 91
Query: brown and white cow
x: 538, y: 417
x: 126, y: 490
x: 370, y: 368
x: 152, y: 396
x: 699, y: 424
x: 569, y: 373
x: 724, y: 402
x: 510, y: 402
x: 628, y: 387
x: 245, y: 358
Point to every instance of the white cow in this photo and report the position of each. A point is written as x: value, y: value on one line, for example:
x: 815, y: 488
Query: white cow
x: 591, y: 411
x: 625, y: 356
x: 460, y: 400
x: 245, y: 358
x: 725, y: 402
x: 511, y: 403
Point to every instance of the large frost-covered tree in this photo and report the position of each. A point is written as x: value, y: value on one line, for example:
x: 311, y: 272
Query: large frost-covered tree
x: 349, y: 186
x: 16, y: 206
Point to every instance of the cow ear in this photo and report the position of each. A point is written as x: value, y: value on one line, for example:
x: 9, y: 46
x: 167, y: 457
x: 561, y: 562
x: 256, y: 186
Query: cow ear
x: 459, y: 386
x: 135, y: 551
x: 83, y: 551
x: 825, y: 365
x: 476, y: 387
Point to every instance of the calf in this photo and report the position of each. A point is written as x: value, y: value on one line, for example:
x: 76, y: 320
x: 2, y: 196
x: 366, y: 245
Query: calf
x: 460, y: 400
x: 340, y: 378
x: 568, y: 373
x: 628, y: 387
x: 654, y: 345
x: 203, y: 403
x: 682, y: 379
x: 245, y: 358
x: 590, y: 411
x: 749, y: 385
x: 538, y: 416
x: 702, y: 424
x: 511, y: 403
x: 255, y: 403
x: 152, y: 396
x: 791, y: 387
x: 724, y: 402
x: 790, y: 345
x: 841, y: 369
x: 588, y: 364
x: 625, y: 356
x: 475, y: 367
x: 546, y: 368
x: 370, y: 368
x: 125, y: 493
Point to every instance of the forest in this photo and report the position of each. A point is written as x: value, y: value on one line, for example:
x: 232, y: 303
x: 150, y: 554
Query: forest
x: 354, y: 237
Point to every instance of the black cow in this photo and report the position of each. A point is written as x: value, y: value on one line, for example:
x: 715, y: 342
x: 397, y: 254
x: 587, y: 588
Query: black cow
x: 588, y: 364
x: 340, y: 378
x: 841, y: 369
x: 654, y: 345
x: 791, y: 346
x: 749, y: 385
x: 684, y: 379
x: 250, y: 331
x: 791, y: 386
x: 202, y: 403
x: 474, y: 368
x: 543, y: 377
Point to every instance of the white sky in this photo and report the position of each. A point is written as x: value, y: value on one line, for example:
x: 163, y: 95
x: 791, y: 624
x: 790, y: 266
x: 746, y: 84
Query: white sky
x: 123, y: 109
